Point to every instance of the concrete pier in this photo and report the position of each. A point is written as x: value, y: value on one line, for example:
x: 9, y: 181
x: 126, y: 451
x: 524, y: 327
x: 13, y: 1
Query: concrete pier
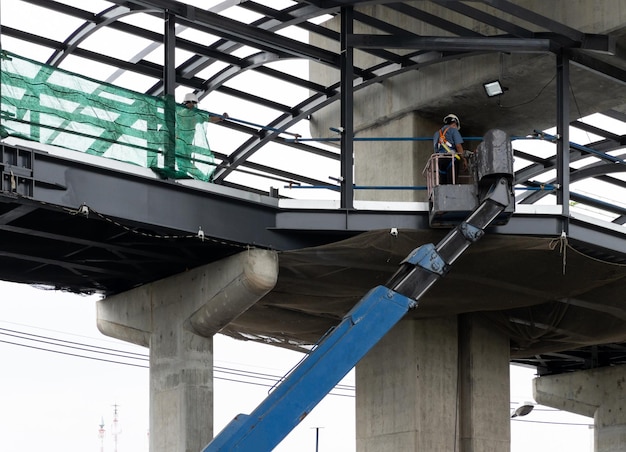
x: 176, y: 318
x: 598, y: 393
x: 435, y: 384
x: 407, y: 387
x: 484, y: 399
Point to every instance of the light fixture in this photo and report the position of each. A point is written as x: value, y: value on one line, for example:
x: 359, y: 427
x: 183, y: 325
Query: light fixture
x: 494, y: 88
x: 523, y: 410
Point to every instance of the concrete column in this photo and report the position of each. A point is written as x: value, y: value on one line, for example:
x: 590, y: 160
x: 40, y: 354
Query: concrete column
x: 435, y: 384
x: 177, y: 317
x: 406, y: 389
x: 598, y: 393
x: 181, y: 389
x: 485, y: 424
x: 393, y: 162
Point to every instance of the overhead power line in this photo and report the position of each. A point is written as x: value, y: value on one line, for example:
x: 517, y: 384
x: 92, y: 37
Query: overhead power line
x: 70, y: 354
x: 553, y: 423
x: 73, y: 345
x: 98, y: 353
x: 221, y: 373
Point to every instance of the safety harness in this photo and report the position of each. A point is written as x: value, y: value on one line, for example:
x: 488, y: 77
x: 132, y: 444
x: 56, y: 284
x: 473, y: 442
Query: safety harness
x: 445, y: 143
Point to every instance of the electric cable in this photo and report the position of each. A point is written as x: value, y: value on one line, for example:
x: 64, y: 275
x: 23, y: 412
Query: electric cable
x: 75, y: 345
x: 107, y: 351
x: 218, y: 369
x: 141, y: 356
x: 551, y: 422
x: 72, y: 354
x: 571, y: 89
x: 531, y: 100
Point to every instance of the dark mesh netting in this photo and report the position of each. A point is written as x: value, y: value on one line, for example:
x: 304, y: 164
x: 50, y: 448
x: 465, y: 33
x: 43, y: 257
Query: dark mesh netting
x: 545, y: 296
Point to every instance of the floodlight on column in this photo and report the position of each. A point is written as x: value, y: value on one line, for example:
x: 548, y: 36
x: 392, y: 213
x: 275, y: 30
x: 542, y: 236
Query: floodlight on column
x: 493, y: 88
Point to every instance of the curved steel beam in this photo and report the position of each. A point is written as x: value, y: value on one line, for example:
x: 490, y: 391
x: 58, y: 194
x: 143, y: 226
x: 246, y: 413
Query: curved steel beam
x: 577, y: 153
x: 100, y: 21
x: 283, y: 122
x: 592, y: 171
x: 597, y: 169
x: 315, y: 103
x: 246, y: 64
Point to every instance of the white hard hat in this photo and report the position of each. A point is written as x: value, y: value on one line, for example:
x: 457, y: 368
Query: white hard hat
x: 190, y: 97
x: 450, y: 118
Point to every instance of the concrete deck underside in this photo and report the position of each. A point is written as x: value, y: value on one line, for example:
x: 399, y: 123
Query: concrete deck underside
x: 546, y: 297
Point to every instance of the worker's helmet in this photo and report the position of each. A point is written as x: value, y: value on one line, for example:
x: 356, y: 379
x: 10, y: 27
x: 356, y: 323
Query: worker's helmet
x: 449, y: 119
x: 190, y: 97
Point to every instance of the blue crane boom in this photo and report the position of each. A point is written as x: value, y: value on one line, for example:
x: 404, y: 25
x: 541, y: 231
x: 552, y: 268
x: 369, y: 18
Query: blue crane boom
x: 366, y: 323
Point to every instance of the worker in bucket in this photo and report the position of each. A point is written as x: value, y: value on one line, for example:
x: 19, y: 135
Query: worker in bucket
x: 448, y: 140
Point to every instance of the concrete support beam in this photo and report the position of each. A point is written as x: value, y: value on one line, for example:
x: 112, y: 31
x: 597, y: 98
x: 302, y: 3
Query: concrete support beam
x: 435, y: 384
x: 177, y: 317
x: 598, y: 393
x: 485, y: 423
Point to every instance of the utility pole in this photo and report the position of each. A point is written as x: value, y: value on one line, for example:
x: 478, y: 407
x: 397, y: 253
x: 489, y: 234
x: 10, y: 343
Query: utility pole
x: 317, y: 438
x: 101, y: 432
x: 115, y: 428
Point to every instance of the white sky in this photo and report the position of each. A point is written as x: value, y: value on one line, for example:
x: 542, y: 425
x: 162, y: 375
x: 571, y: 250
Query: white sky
x: 56, y: 402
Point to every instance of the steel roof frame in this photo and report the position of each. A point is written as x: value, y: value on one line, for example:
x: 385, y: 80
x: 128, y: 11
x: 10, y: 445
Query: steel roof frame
x: 261, y: 34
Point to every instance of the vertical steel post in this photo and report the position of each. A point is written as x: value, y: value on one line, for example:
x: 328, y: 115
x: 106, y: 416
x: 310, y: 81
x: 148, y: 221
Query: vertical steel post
x: 562, y: 131
x: 347, y: 120
x: 317, y: 439
x: 169, y: 87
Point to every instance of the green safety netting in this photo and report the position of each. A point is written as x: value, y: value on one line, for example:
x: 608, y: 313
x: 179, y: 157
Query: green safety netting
x: 52, y: 106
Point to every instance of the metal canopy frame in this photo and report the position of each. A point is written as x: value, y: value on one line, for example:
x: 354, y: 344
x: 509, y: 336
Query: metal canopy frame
x: 153, y: 254
x: 263, y: 34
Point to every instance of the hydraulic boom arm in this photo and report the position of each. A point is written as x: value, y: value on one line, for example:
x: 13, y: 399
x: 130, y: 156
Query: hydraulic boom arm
x: 345, y: 345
